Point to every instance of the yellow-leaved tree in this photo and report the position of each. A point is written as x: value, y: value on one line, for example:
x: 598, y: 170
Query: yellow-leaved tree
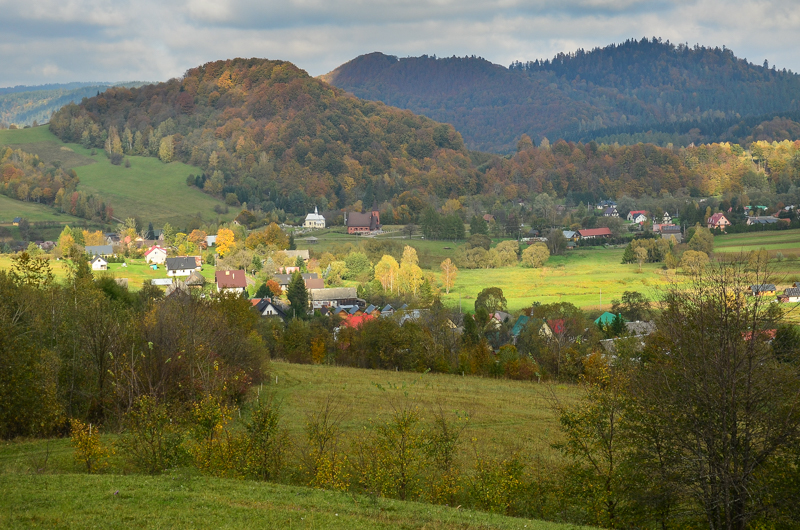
x: 386, y: 272
x: 410, y: 276
x: 225, y: 241
x: 449, y: 273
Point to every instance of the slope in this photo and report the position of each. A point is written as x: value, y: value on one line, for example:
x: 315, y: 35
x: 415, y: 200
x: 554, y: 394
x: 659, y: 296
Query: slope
x: 266, y: 133
x: 636, y: 85
x: 117, y: 501
x: 24, y: 105
x: 148, y: 189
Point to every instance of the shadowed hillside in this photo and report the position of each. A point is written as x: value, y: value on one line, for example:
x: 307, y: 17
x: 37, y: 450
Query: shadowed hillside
x: 631, y: 88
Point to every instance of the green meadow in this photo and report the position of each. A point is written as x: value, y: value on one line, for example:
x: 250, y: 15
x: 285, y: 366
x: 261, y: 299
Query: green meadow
x: 149, y: 189
x: 190, y: 501
x: 33, y: 212
x: 41, y: 485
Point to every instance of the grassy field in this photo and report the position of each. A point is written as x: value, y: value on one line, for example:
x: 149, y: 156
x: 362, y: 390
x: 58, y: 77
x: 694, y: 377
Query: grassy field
x: 137, y: 272
x: 39, y: 487
x: 785, y: 241
x: 11, y: 208
x: 153, y: 191
x: 186, y: 501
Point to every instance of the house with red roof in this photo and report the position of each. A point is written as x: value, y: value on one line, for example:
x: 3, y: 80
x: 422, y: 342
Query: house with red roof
x: 637, y: 216
x: 231, y: 281
x: 155, y: 254
x: 591, y: 233
x: 718, y: 220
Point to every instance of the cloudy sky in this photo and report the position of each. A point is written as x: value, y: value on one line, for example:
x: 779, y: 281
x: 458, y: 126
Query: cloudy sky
x: 53, y: 41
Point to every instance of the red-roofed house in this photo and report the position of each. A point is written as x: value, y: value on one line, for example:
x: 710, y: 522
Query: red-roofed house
x: 231, y: 281
x: 637, y: 216
x: 591, y: 233
x: 355, y: 321
x: 718, y: 220
x: 155, y: 254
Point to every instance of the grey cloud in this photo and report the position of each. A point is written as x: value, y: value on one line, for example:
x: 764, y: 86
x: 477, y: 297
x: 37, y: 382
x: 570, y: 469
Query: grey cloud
x: 57, y: 41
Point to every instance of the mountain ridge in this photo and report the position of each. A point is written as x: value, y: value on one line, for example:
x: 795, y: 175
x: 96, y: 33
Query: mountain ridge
x: 636, y: 84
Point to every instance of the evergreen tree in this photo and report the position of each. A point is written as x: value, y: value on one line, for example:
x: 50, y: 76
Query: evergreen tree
x: 292, y: 246
x: 298, y: 295
x: 477, y: 225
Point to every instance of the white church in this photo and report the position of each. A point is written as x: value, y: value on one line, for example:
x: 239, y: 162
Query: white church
x: 314, y: 220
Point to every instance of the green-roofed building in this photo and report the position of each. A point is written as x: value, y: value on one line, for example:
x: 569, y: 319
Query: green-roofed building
x: 519, y: 324
x: 605, y: 319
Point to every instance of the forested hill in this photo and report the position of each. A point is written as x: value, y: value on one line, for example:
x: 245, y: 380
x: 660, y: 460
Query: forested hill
x: 272, y: 136
x: 629, y: 88
x: 24, y: 105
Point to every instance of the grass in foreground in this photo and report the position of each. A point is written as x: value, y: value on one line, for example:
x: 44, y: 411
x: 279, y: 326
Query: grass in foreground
x: 185, y: 501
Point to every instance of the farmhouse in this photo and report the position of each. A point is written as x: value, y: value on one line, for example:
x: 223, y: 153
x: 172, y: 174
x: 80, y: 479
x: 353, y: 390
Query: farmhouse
x: 285, y: 279
x: 16, y: 221
x: 314, y: 220
x: 99, y: 264
x: 718, y: 220
x: 791, y: 295
x: 610, y: 212
x: 230, y: 281
x: 591, y: 233
x: 267, y: 308
x: 765, y: 220
x: 294, y: 254
x: 637, y: 216
x: 99, y: 250
x: 764, y: 289
x: 333, y: 297
x: 606, y: 204
x: 155, y: 254
x: 359, y: 223
x: 182, y: 265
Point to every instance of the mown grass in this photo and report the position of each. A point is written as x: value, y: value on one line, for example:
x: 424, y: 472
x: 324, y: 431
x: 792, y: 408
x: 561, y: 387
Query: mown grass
x: 137, y: 272
x: 187, y: 501
x: 785, y: 241
x: 149, y: 189
x: 587, y: 278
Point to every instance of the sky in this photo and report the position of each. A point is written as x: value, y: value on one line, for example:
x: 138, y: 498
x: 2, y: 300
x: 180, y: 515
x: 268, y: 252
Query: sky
x: 57, y: 41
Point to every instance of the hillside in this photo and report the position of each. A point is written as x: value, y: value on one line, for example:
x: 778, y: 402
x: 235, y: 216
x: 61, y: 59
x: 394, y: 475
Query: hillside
x: 266, y: 133
x: 635, y: 87
x: 117, y: 501
x: 24, y: 105
x: 40, y: 171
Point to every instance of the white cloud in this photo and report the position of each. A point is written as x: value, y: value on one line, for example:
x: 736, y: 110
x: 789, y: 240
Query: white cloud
x: 108, y: 40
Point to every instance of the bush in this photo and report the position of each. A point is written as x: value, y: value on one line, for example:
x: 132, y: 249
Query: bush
x: 152, y: 442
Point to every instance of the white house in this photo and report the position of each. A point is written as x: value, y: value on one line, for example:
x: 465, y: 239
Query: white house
x: 637, y: 216
x: 99, y: 264
x: 155, y: 254
x: 182, y: 266
x: 231, y: 281
x: 314, y: 220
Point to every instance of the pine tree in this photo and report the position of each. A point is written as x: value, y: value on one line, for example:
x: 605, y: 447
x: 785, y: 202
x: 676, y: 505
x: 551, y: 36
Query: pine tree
x: 298, y: 295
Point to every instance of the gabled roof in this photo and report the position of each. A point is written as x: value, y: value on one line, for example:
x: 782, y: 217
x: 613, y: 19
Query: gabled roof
x: 102, y: 250
x: 353, y: 310
x: 230, y: 279
x: 315, y: 283
x: 285, y: 279
x: 361, y: 220
x: 556, y: 325
x: 792, y: 291
x: 519, y: 324
x: 763, y: 287
x: 637, y: 212
x: 98, y: 259
x: 594, y: 232
x: 195, y: 278
x: 605, y: 319
x: 714, y: 219
x: 370, y: 308
x: 153, y: 249
x: 181, y: 263
x: 333, y: 293
x: 356, y: 320
x: 265, y: 303
x: 387, y: 308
